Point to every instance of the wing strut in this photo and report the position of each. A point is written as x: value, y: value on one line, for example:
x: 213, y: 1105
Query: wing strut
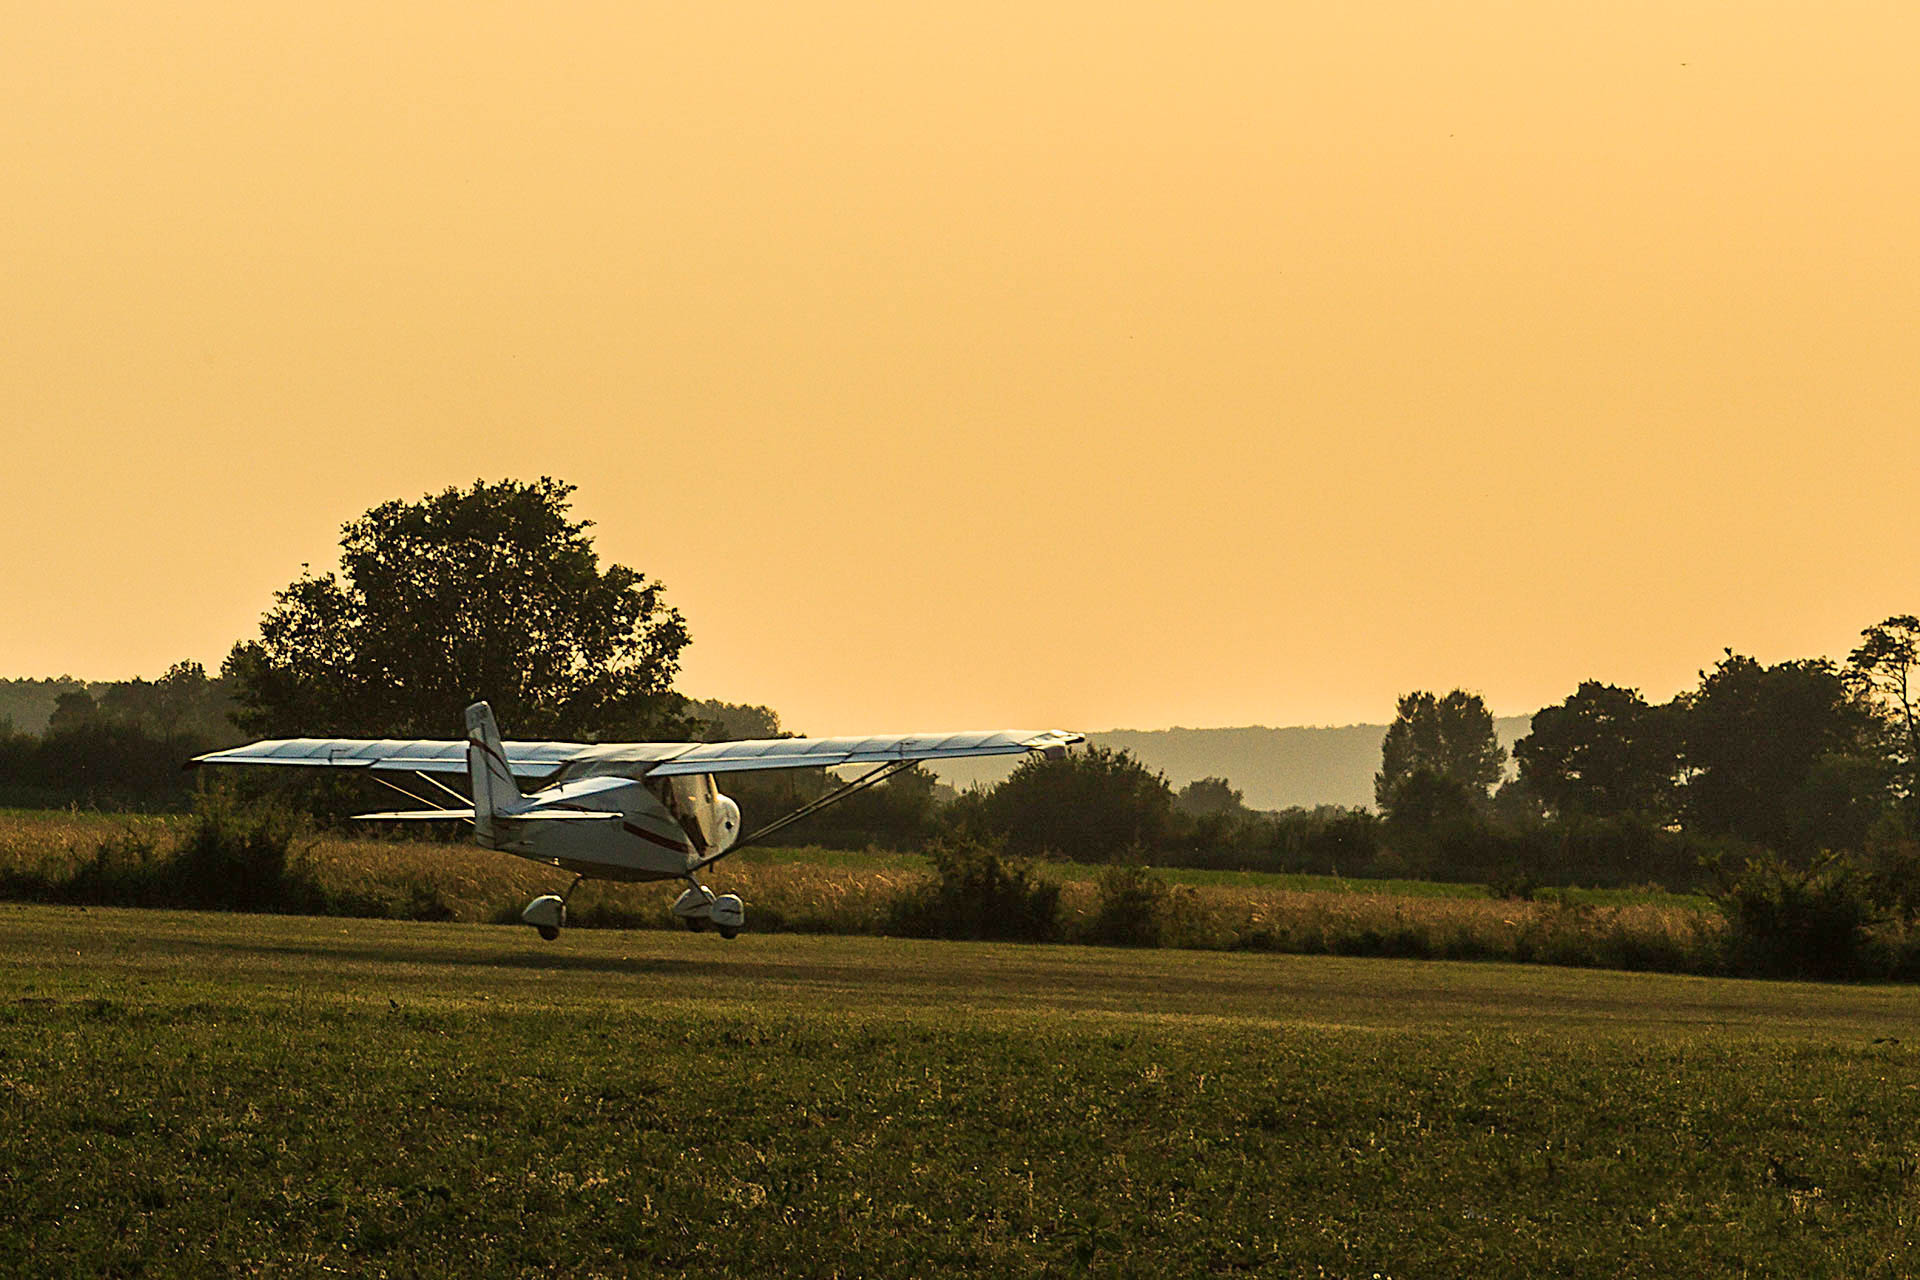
x: 430, y: 780
x: 420, y: 799
x: 879, y: 773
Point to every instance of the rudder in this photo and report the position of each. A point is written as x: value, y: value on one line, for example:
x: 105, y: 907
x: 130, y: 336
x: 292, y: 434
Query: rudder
x: 494, y: 790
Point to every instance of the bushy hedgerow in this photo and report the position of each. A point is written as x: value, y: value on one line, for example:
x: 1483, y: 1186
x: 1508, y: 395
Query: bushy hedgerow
x: 1132, y: 907
x: 1783, y: 922
x: 1135, y: 908
x: 229, y: 856
x: 976, y: 893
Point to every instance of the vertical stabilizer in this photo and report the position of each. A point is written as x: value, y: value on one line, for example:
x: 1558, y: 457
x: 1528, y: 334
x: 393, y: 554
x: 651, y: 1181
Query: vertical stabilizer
x: 494, y: 790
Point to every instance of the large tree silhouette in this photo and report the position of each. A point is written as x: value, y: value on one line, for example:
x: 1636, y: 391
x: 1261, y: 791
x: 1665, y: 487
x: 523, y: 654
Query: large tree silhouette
x: 1447, y: 741
x: 1786, y: 756
x: 1603, y: 752
x: 490, y: 592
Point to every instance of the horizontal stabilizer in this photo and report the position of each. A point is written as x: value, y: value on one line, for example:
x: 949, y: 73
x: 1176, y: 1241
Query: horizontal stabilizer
x: 441, y: 815
x: 415, y: 815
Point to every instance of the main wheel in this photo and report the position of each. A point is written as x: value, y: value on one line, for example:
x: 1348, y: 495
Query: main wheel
x: 729, y: 934
x: 549, y: 931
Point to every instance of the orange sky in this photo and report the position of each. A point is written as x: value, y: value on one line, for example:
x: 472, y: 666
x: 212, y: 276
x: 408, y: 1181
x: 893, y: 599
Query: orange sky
x: 1081, y: 364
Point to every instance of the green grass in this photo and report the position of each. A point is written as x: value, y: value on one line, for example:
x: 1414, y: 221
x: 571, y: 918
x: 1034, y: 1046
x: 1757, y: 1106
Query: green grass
x: 192, y: 1094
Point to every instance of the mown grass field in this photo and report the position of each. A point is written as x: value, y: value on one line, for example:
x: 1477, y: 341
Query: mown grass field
x: 193, y: 1094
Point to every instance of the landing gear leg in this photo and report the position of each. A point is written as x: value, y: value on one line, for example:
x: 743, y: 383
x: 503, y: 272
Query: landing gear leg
x: 548, y: 912
x: 699, y: 908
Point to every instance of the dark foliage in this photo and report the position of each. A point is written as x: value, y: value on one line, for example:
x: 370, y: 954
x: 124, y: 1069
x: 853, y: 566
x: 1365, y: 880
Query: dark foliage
x: 715, y: 720
x: 1086, y: 806
x: 1892, y: 867
x: 119, y: 745
x: 899, y: 813
x: 26, y: 705
x: 231, y: 856
x: 1136, y: 908
x: 1326, y: 840
x: 1603, y: 752
x: 1786, y: 922
x: 975, y: 893
x: 99, y: 765
x: 1450, y: 738
x: 1209, y: 798
x: 1783, y: 757
x: 1132, y: 907
x: 490, y: 592
x: 1885, y: 669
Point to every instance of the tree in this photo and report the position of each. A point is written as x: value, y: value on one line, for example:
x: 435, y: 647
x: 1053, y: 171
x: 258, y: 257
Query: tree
x: 1784, y: 756
x: 1603, y: 752
x: 1450, y: 738
x: 73, y: 709
x: 1088, y: 806
x: 899, y: 813
x: 180, y: 704
x: 1209, y: 798
x: 1885, y: 668
x: 718, y: 721
x: 490, y: 592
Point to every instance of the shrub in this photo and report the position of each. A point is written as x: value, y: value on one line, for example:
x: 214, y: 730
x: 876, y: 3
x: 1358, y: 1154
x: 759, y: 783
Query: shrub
x: 1515, y: 886
x: 975, y: 893
x: 424, y: 902
x: 1085, y: 806
x: 244, y: 858
x: 230, y: 856
x: 1132, y: 907
x: 125, y: 870
x: 1787, y: 923
x: 1893, y: 873
x: 1135, y: 908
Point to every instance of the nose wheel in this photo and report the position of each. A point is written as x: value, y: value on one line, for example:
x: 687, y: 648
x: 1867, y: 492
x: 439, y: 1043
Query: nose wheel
x: 699, y: 909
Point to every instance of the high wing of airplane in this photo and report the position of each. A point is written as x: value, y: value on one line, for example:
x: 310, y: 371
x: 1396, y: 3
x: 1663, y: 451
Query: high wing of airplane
x: 617, y: 810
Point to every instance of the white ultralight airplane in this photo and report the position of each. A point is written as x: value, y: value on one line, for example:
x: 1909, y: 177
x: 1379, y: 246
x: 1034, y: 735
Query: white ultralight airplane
x: 619, y: 810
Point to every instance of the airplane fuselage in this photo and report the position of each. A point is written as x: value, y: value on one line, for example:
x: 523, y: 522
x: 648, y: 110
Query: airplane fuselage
x: 660, y: 832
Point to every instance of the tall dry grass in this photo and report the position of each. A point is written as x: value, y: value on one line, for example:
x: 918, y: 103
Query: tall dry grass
x: 462, y: 882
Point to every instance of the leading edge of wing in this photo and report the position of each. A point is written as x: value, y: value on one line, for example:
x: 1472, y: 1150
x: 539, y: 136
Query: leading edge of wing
x: 527, y: 759
x: 817, y: 753
x: 536, y: 760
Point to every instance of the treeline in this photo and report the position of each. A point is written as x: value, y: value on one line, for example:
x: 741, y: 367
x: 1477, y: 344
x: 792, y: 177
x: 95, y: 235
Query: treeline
x: 1808, y: 762
x: 496, y: 591
x: 115, y: 745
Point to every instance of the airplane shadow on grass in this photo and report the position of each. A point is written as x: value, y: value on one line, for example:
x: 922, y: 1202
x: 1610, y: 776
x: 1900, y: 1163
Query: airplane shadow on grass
x: 1029, y: 981
x: 1033, y: 983
x: 414, y: 956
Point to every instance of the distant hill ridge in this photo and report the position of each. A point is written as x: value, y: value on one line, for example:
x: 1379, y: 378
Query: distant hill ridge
x: 1272, y: 768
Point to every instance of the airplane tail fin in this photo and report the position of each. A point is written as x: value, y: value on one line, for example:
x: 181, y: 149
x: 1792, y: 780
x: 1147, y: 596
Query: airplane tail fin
x: 495, y: 793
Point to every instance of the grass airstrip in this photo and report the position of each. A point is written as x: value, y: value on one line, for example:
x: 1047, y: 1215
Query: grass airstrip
x: 190, y: 1093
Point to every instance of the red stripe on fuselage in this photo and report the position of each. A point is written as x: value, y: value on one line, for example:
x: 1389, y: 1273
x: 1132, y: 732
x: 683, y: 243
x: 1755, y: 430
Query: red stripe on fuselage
x: 662, y: 841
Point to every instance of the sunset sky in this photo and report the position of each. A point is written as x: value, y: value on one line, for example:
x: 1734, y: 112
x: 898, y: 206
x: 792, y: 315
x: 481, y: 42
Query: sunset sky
x: 1088, y: 365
